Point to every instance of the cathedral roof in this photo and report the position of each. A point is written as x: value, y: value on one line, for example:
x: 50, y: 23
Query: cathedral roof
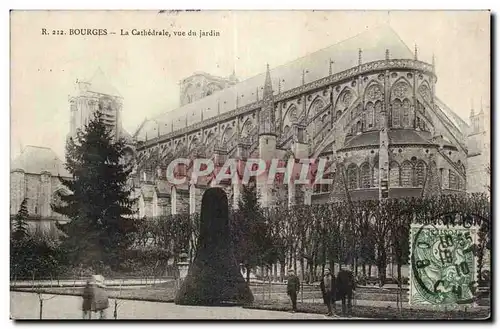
x: 406, y: 136
x: 36, y: 159
x: 373, y: 44
x: 364, y: 139
x: 457, y: 120
x: 396, y: 137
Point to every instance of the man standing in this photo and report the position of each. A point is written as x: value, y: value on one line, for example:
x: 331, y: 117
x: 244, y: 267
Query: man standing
x: 345, y: 288
x: 328, y: 288
x: 292, y: 288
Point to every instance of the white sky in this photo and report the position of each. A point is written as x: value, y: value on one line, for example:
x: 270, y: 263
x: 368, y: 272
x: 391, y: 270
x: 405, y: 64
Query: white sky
x: 146, y: 70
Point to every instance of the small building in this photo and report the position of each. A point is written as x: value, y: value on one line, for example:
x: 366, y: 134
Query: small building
x: 34, y: 176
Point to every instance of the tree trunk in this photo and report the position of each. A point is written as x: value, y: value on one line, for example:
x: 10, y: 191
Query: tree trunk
x: 356, y: 266
x: 399, y: 274
x: 282, y: 271
x: 41, y: 307
x: 370, y: 270
x: 302, y: 268
x: 294, y: 262
x: 248, y: 273
x: 364, y: 269
x: 382, y: 266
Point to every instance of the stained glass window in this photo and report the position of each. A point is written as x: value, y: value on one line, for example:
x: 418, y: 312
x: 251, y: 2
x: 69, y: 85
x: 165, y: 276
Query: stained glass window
x: 369, y: 115
x: 394, y: 174
x: 453, y: 180
x: 378, y: 109
x: 396, y: 113
x: 375, y: 175
x: 406, y: 113
x: 352, y: 176
x: 365, y: 175
x: 420, y: 173
x: 406, y: 174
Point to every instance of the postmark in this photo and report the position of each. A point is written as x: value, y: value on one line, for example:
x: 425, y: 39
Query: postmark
x: 443, y: 268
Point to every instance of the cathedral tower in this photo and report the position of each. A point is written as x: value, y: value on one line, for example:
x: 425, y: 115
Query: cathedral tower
x: 92, y: 95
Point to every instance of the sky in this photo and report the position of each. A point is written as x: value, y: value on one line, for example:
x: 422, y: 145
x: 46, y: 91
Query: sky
x: 146, y: 70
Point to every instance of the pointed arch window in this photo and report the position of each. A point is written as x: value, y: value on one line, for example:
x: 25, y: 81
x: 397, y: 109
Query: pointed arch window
x: 453, y: 180
x: 292, y: 114
x: 420, y: 173
x: 406, y: 174
x: 369, y: 115
x: 394, y: 174
x: 365, y: 175
x: 396, y: 113
x: 352, y: 176
x: 375, y: 174
x: 378, y: 109
x: 316, y: 107
x: 406, y: 113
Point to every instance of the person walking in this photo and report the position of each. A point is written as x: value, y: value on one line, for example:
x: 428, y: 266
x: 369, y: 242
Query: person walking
x: 100, y: 300
x: 328, y: 288
x: 292, y: 288
x: 345, y: 289
x: 87, y: 301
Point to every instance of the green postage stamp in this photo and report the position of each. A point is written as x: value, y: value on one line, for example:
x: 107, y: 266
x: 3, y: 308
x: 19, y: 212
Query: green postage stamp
x: 442, y: 265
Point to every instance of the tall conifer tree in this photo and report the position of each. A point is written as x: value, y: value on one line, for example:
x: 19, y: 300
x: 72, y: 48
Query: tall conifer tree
x: 20, y: 229
x: 100, y: 203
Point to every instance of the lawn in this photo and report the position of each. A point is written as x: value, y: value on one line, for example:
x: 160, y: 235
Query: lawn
x: 380, y: 312
x: 165, y: 292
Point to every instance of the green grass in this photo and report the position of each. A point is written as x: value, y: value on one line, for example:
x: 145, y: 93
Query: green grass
x: 378, y: 312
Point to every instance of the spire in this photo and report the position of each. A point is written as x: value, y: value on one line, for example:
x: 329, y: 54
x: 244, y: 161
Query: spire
x: 387, y: 54
x: 257, y: 93
x: 331, y: 69
x: 360, y: 56
x: 268, y: 87
x: 416, y: 52
x: 218, y: 105
x: 201, y: 113
x: 433, y: 63
x: 471, y: 107
x: 267, y: 114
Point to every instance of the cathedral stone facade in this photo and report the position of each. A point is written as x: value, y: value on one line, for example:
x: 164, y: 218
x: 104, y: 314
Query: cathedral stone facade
x: 34, y: 177
x: 367, y: 105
